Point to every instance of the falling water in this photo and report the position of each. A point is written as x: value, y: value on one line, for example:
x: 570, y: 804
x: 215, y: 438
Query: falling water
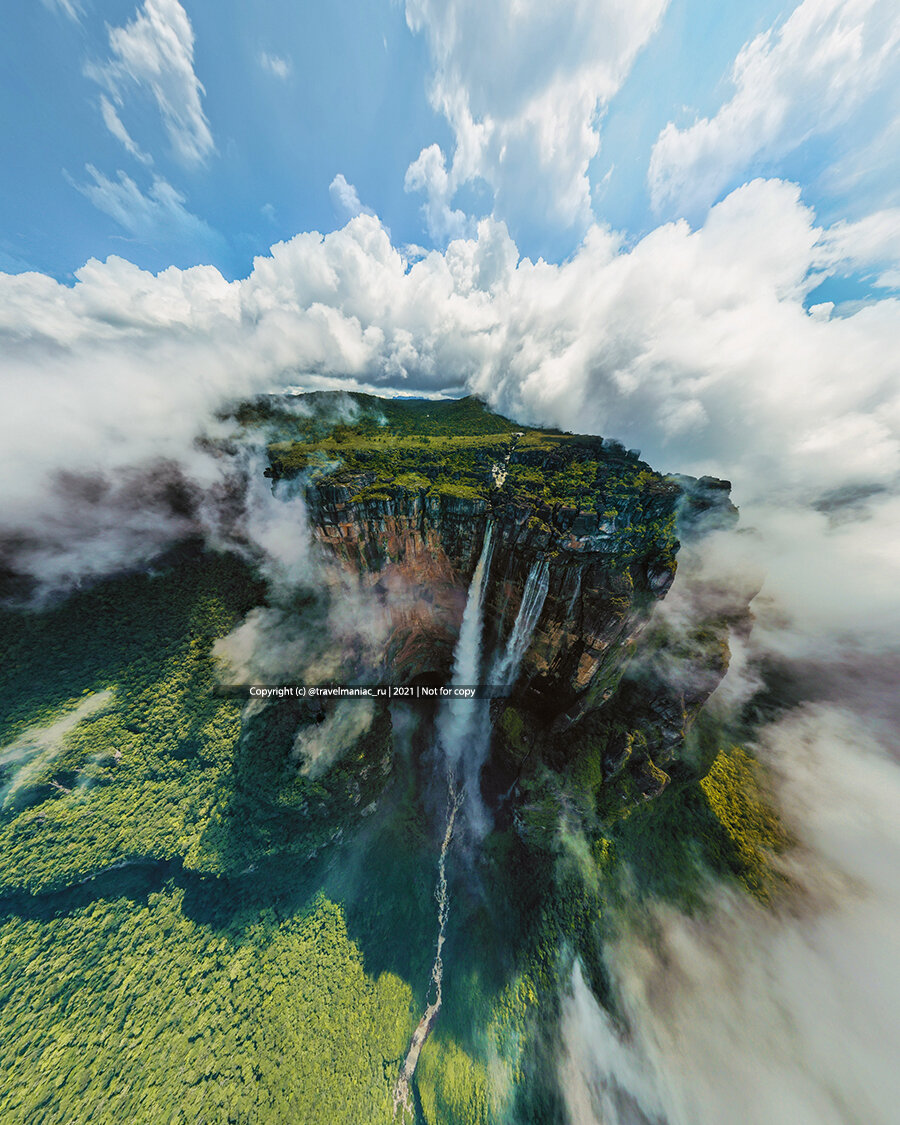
x: 457, y: 722
x: 570, y: 610
x: 458, y: 718
x: 507, y: 667
x: 425, y: 1024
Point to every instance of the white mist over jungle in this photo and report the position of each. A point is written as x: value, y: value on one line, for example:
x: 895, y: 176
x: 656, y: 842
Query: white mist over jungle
x: 747, y: 328
x: 112, y: 381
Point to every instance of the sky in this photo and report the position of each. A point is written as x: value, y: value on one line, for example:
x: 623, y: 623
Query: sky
x: 672, y: 223
x: 203, y: 132
x: 675, y: 223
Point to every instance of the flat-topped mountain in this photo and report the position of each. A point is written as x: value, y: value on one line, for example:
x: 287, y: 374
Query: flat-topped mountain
x: 401, y: 493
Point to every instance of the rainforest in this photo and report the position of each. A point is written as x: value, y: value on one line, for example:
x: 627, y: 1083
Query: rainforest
x: 449, y: 523
x: 215, y: 907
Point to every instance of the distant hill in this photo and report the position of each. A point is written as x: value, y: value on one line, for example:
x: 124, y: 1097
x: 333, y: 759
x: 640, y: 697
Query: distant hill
x: 317, y: 414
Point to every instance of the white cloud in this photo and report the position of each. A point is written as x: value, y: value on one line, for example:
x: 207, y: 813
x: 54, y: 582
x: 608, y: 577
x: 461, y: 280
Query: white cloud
x: 693, y: 345
x: 158, y: 218
x: 428, y: 174
x: 275, y: 64
x: 792, y: 82
x: 522, y: 85
x: 345, y: 198
x: 114, y: 123
x: 156, y: 51
x: 69, y: 8
x: 871, y: 243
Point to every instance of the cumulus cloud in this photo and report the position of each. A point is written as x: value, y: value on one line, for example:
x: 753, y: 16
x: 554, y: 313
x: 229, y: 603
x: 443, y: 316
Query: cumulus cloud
x: 345, y: 198
x: 155, y: 52
x: 428, y: 174
x: 275, y: 64
x: 522, y: 86
x: 795, y: 81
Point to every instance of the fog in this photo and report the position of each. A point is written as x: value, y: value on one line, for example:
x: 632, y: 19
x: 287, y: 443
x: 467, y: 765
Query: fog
x: 756, y: 1016
x: 697, y: 345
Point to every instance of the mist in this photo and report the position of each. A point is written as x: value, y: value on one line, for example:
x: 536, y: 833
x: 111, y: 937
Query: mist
x: 697, y: 345
x: 24, y: 759
x: 745, y: 1014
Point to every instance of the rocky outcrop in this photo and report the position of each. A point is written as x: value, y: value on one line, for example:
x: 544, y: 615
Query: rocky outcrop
x: 605, y: 566
x: 416, y: 551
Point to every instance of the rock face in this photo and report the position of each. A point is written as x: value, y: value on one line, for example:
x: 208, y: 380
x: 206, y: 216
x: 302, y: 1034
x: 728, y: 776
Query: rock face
x: 585, y: 537
x: 416, y: 552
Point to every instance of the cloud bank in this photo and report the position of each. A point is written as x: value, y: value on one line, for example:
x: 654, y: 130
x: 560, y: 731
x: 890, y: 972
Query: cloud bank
x: 693, y: 344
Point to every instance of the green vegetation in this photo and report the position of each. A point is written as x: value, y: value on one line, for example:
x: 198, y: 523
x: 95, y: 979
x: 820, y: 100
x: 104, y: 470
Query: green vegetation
x: 741, y: 806
x: 458, y: 449
x: 134, y: 986
x: 193, y: 928
x: 141, y: 777
x: 342, y: 416
x: 724, y: 825
x: 148, y: 1007
x: 452, y: 1085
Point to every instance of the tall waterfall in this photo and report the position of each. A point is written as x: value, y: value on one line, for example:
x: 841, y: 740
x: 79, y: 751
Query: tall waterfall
x: 459, y: 721
x: 534, y: 595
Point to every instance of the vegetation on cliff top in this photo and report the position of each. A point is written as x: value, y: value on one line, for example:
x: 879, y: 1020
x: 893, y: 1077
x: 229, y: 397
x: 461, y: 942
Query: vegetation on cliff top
x: 456, y: 447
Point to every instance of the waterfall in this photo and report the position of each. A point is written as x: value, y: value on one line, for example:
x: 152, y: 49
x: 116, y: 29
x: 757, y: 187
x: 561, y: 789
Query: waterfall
x: 425, y: 1024
x: 570, y: 610
x: 507, y: 667
x: 459, y: 721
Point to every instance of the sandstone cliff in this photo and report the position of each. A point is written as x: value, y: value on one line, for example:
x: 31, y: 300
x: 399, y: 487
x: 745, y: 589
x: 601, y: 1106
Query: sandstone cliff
x: 405, y: 513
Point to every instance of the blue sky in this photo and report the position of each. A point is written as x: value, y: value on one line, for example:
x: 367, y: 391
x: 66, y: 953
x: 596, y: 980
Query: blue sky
x: 350, y: 99
x: 293, y: 95
x: 673, y: 222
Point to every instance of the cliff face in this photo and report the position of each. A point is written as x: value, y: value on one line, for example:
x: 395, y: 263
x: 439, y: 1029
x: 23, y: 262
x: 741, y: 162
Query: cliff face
x: 401, y: 494
x: 417, y: 551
